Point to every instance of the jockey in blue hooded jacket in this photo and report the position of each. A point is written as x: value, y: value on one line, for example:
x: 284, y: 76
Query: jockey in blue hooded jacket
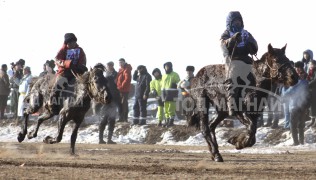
x: 237, y: 43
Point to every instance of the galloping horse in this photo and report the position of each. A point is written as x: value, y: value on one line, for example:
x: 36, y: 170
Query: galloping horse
x: 208, y: 89
x: 90, y: 85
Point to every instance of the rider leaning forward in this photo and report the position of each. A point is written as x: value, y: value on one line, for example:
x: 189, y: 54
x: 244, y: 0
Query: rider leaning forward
x: 70, y: 59
x: 237, y: 44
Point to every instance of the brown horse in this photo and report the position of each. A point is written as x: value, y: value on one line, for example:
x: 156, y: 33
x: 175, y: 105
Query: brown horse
x: 90, y: 85
x: 209, y: 88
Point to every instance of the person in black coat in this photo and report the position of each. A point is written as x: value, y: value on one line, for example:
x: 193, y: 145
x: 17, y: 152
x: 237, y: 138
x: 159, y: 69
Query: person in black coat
x: 142, y: 90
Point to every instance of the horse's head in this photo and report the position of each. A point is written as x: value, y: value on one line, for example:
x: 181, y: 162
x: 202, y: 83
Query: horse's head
x: 281, y: 69
x: 96, y: 84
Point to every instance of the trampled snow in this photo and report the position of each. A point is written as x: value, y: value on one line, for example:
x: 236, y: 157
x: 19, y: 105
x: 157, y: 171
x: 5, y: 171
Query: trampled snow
x: 137, y: 134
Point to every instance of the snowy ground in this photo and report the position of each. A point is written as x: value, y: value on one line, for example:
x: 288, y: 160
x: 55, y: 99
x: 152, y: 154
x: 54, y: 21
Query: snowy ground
x: 137, y: 134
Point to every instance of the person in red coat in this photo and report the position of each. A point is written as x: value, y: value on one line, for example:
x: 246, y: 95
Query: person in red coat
x: 69, y: 59
x: 123, y: 82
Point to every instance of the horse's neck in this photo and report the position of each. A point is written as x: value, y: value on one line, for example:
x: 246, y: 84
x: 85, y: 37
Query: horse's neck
x: 80, y: 93
x: 262, y: 72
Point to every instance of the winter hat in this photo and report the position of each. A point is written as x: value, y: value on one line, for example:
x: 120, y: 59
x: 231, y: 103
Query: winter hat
x: 190, y: 68
x: 69, y: 37
x: 3, y: 66
x: 111, y: 63
x: 50, y: 63
x: 21, y: 62
x: 299, y: 64
x: 156, y: 70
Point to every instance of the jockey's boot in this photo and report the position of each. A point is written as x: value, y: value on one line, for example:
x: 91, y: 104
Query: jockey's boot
x: 110, y: 134
x: 54, y: 103
x: 301, y: 136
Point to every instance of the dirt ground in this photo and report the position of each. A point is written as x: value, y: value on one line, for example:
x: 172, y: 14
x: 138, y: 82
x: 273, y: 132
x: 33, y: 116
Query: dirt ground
x: 46, y: 161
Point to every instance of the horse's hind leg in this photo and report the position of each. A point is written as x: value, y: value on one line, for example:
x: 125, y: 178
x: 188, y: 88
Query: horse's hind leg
x: 63, y: 120
x: 40, y: 120
x: 210, y: 138
x: 35, y: 102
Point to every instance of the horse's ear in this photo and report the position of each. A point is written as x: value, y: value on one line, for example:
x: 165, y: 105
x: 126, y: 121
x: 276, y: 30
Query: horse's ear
x: 283, y: 49
x: 270, y: 49
x: 90, y: 68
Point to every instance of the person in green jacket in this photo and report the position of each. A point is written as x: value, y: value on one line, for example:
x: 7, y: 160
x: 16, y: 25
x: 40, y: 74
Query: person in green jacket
x: 155, y: 89
x: 169, y: 92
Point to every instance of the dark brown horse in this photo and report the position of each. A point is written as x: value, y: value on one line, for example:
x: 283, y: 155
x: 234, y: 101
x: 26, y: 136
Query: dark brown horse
x: 209, y: 89
x: 90, y: 85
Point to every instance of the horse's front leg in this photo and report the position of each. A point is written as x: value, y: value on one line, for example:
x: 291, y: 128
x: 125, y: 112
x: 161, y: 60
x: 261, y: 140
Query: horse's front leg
x: 73, y: 138
x: 40, y: 120
x: 216, y: 120
x: 213, y: 147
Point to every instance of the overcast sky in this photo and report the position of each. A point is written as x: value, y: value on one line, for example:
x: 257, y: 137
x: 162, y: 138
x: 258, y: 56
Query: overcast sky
x: 147, y: 32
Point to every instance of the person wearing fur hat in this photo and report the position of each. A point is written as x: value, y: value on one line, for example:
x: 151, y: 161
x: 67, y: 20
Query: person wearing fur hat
x: 169, y: 92
x: 155, y: 90
x: 70, y: 59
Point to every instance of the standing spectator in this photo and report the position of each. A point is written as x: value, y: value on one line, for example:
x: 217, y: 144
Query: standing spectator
x: 24, y: 88
x: 169, y: 92
x: 155, y: 90
x: 185, y: 86
x: 108, y: 112
x: 16, y: 75
x: 298, y: 96
x: 311, y: 77
x: 307, y: 57
x: 123, y: 83
x: 70, y: 58
x: 110, y: 71
x: 286, y: 110
x: 273, y: 114
x: 44, y: 72
x: 142, y: 89
x: 4, y: 89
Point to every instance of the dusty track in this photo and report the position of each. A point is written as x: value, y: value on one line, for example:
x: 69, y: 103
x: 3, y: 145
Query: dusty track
x: 42, y: 161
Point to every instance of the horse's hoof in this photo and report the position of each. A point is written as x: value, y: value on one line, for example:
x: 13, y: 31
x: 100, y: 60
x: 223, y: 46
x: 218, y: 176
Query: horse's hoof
x: 218, y: 158
x: 21, y: 137
x: 48, y: 140
x: 30, y: 135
